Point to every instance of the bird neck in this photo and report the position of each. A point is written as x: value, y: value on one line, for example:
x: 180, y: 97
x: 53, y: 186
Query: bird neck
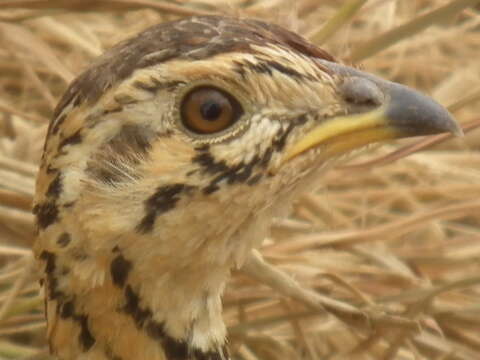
x: 169, y: 315
x: 180, y: 311
x: 150, y: 307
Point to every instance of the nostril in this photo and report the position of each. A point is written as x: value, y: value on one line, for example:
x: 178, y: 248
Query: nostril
x: 361, y: 101
x: 361, y: 91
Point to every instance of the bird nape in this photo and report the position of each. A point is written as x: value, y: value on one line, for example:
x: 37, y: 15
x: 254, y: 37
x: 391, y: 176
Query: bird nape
x: 165, y: 162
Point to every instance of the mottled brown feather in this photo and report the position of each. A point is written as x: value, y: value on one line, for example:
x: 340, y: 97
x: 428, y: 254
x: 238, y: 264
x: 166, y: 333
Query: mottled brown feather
x: 173, y: 40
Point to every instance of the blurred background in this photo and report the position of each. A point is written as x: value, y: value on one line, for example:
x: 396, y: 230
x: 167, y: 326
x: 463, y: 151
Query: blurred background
x: 390, y: 241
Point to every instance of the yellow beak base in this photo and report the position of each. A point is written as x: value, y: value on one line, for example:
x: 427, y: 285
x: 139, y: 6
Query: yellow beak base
x: 344, y: 133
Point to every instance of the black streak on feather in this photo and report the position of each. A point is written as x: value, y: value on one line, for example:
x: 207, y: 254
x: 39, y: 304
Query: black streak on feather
x: 46, y: 213
x: 119, y: 269
x: 175, y: 349
x: 55, y: 187
x: 86, y: 338
x: 164, y: 199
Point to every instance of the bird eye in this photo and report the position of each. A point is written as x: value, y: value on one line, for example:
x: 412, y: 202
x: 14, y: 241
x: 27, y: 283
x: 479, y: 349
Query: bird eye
x: 206, y: 110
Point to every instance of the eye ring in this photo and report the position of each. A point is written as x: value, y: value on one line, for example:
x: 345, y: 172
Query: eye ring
x: 207, y: 110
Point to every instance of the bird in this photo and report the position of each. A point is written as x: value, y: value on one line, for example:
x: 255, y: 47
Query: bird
x: 164, y: 163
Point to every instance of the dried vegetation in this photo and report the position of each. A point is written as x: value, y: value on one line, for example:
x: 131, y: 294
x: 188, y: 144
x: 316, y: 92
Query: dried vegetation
x: 385, y: 256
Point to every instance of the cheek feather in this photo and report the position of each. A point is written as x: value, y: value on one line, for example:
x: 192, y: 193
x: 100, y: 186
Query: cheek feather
x: 169, y: 155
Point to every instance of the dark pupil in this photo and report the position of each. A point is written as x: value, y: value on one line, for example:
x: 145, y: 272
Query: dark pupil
x: 210, y: 110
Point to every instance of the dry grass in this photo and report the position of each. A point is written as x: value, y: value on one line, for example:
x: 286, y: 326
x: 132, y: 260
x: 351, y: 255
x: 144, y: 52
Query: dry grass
x: 385, y: 256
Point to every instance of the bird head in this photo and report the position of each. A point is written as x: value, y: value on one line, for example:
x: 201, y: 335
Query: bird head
x: 166, y: 159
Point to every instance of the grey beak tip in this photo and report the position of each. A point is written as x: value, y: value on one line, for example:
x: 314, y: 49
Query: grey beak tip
x: 419, y: 114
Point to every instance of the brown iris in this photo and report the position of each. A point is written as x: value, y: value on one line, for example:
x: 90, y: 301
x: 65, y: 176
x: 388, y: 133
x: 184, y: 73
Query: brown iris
x: 206, y: 110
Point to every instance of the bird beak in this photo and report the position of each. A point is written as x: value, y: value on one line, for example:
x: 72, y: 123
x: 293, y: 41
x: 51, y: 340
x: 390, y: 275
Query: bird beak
x: 379, y: 110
